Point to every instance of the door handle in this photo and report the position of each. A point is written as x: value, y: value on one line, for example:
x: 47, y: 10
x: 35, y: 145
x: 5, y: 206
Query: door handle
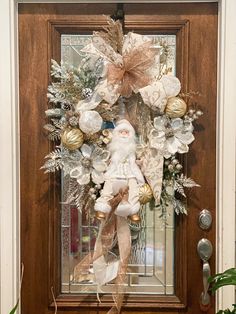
x: 205, y: 249
x: 206, y: 271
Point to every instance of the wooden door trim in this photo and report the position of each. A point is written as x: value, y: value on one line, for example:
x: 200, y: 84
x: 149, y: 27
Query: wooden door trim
x: 10, y: 264
x: 73, y: 301
x: 179, y: 301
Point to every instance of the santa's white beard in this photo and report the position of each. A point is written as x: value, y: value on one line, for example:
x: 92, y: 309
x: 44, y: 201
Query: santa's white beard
x: 122, y: 146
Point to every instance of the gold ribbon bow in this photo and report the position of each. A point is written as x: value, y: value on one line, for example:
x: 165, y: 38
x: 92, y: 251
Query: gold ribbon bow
x: 132, y: 74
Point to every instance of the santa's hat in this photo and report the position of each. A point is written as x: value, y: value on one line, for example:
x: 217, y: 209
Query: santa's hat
x: 124, y: 125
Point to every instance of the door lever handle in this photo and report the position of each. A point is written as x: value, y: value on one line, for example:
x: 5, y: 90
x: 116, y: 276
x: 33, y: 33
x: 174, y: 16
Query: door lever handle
x: 205, y: 249
x: 206, y: 270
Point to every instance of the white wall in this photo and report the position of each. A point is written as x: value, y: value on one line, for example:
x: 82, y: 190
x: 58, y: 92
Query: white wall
x: 9, y: 153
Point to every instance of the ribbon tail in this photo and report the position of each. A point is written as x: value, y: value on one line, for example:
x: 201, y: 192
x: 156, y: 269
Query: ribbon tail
x: 124, y: 243
x: 104, y: 271
x: 82, y: 268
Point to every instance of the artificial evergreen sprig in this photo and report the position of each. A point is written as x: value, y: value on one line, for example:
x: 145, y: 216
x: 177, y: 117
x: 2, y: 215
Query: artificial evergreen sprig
x: 72, y: 84
x: 61, y: 158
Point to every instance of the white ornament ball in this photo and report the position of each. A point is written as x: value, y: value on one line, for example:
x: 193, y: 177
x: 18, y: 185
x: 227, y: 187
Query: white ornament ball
x: 90, y: 122
x: 176, y: 107
x: 171, y: 85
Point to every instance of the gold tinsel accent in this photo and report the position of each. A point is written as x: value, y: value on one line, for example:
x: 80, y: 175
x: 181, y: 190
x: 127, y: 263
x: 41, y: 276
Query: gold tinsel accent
x: 145, y: 194
x: 72, y: 138
x: 176, y: 107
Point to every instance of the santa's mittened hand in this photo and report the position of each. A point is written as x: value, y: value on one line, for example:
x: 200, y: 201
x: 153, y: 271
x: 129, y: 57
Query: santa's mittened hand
x: 102, y: 207
x: 125, y: 209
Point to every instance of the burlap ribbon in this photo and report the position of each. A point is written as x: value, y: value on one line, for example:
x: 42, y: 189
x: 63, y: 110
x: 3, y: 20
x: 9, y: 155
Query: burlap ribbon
x: 105, y: 270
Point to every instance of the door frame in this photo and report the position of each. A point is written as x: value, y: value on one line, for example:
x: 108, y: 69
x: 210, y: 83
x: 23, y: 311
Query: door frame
x: 9, y: 139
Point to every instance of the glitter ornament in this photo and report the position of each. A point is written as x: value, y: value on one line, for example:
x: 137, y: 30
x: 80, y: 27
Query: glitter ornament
x: 199, y: 113
x: 167, y: 162
x: 191, y: 112
x: 145, y: 194
x: 176, y: 107
x: 72, y: 138
x: 174, y: 162
x: 171, y: 168
x: 90, y: 122
x: 179, y: 167
x: 86, y: 92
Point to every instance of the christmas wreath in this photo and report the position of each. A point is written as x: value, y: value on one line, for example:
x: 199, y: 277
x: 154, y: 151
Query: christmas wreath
x: 120, y: 123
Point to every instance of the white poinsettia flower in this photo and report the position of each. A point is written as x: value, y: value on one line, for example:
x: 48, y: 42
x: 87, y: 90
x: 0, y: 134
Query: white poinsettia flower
x: 171, y: 136
x: 92, y: 165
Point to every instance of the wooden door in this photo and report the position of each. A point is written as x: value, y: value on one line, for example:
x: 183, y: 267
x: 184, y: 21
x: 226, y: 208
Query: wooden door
x: 40, y: 29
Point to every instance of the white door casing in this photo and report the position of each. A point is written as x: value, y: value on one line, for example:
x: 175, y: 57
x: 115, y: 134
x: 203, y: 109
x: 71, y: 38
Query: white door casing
x: 9, y: 146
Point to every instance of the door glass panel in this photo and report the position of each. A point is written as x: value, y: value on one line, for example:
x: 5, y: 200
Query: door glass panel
x: 151, y: 265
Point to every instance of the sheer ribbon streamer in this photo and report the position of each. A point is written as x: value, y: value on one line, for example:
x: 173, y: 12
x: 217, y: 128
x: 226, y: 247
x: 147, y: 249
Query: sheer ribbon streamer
x: 106, y: 270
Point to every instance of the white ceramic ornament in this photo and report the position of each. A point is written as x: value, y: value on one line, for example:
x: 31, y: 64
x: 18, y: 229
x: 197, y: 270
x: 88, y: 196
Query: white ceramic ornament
x: 90, y: 122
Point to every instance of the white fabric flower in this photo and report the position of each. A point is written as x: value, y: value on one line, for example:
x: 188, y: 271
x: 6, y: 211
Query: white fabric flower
x: 171, y: 136
x: 156, y: 94
x: 92, y: 164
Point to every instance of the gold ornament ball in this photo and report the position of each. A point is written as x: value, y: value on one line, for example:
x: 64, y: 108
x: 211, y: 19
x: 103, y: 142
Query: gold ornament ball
x: 145, y: 194
x: 72, y: 138
x: 176, y: 107
x: 100, y: 215
x: 135, y: 218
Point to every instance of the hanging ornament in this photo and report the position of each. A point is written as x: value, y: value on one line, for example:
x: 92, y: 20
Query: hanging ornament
x: 176, y: 107
x: 100, y: 215
x: 135, y: 218
x: 145, y: 194
x: 90, y: 122
x: 72, y: 138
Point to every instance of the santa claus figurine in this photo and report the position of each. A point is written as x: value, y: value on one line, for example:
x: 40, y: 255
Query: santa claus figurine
x: 122, y: 172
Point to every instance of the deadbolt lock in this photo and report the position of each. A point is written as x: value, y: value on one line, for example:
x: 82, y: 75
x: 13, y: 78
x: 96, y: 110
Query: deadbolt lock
x: 205, y: 219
